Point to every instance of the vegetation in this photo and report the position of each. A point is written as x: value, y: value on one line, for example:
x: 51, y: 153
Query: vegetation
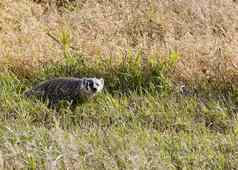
x: 145, y: 51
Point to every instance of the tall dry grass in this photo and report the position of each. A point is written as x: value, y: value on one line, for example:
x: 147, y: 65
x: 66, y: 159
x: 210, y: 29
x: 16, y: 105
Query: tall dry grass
x: 203, y: 33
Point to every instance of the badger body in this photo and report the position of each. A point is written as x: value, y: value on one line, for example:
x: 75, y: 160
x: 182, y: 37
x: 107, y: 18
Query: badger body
x: 73, y: 90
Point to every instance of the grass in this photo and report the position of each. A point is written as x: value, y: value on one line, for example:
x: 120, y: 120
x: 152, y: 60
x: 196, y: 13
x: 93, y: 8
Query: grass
x: 203, y: 33
x: 142, y: 127
x: 145, y: 51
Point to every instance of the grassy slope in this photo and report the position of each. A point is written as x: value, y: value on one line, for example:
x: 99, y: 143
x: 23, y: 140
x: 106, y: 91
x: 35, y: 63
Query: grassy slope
x: 140, y: 121
x: 135, y: 129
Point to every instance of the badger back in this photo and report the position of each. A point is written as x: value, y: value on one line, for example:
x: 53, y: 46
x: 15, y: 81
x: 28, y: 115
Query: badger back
x: 38, y: 90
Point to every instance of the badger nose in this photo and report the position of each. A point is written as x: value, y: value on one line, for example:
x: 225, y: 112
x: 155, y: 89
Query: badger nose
x: 94, y: 89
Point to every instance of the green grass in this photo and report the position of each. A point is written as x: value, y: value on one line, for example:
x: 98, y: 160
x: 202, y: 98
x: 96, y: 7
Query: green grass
x: 138, y: 122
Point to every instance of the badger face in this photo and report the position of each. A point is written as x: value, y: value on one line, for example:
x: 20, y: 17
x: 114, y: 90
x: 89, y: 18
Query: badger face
x: 94, y: 85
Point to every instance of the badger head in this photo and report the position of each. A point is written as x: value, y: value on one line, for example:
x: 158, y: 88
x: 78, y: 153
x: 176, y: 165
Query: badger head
x: 93, y: 85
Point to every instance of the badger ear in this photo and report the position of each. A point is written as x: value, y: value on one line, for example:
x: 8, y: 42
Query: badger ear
x: 84, y: 81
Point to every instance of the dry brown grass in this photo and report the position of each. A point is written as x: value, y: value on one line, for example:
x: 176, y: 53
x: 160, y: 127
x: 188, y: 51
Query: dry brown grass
x: 204, y: 33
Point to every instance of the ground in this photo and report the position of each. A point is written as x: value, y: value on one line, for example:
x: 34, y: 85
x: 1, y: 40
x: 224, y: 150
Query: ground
x: 145, y: 51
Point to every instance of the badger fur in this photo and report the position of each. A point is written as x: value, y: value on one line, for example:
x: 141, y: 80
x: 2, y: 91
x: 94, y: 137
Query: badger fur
x: 73, y: 90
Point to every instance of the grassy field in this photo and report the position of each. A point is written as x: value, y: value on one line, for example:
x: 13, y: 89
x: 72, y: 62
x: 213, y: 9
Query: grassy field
x: 145, y: 51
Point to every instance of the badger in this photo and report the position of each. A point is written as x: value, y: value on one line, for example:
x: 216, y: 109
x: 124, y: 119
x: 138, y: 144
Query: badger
x: 73, y: 90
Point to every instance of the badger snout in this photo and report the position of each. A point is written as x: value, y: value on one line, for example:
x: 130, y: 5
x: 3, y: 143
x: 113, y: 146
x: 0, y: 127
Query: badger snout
x: 94, y: 89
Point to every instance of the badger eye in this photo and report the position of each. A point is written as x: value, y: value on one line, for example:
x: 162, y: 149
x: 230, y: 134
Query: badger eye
x: 97, y: 84
x: 90, y: 84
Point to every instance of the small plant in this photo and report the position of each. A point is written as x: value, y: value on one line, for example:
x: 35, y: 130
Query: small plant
x: 65, y: 39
